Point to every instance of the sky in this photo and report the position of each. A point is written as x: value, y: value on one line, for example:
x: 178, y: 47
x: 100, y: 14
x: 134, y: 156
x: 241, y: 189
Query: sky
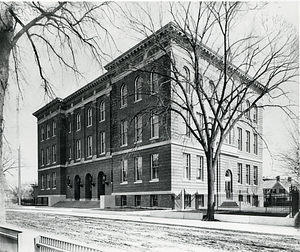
x: 33, y: 98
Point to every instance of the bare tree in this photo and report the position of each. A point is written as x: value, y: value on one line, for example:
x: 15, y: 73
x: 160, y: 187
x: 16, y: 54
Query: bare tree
x: 289, y: 158
x: 53, y: 32
x: 229, y: 72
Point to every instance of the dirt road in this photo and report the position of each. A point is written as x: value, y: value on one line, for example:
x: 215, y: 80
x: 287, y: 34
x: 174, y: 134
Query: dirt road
x: 133, y: 236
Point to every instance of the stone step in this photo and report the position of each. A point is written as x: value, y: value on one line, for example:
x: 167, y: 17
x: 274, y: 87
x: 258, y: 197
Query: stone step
x: 78, y: 204
x: 229, y: 204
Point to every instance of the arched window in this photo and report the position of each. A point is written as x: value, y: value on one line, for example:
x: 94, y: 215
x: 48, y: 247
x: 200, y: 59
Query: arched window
x: 90, y: 117
x: 187, y: 79
x: 153, y: 81
x: 255, y: 113
x: 248, y: 107
x: 138, y: 89
x: 54, y: 128
x: 123, y: 95
x: 48, y: 131
x: 102, y: 111
x: 42, y: 133
x: 78, y: 121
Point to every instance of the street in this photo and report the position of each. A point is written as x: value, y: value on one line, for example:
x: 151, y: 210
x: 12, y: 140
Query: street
x: 138, y: 236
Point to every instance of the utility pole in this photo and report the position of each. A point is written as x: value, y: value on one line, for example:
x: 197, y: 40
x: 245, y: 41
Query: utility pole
x: 19, y: 149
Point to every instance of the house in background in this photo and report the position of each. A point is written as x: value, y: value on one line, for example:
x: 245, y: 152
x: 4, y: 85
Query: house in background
x: 277, y: 191
x: 93, y: 144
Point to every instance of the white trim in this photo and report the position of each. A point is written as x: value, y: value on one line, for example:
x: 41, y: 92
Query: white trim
x: 143, y: 193
x: 51, y: 195
x: 78, y: 105
x: 52, y: 167
x: 144, y: 147
x: 140, y: 65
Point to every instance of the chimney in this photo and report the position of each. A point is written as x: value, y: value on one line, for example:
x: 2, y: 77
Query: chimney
x: 277, y: 178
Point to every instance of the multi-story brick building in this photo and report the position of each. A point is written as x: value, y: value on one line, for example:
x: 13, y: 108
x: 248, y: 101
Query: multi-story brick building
x: 95, y: 142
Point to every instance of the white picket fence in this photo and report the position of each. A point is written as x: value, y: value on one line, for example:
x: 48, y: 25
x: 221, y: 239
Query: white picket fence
x: 47, y: 244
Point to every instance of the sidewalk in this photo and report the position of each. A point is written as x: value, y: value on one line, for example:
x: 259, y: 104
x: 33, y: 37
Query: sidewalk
x: 144, y: 217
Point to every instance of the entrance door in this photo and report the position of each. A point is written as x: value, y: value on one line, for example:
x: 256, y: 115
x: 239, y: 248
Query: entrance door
x: 88, y: 186
x: 228, y: 184
x: 101, y: 184
x: 77, y: 187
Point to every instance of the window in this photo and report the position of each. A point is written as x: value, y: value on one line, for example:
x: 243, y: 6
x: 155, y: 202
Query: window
x: 187, y: 124
x: 78, y: 121
x: 249, y: 199
x: 102, y: 142
x: 123, y: 133
x: 89, y: 146
x: 187, y: 166
x: 48, y: 181
x: 42, y: 157
x: 154, y: 125
x: 138, y: 168
x: 124, y: 170
x: 240, y: 197
x: 54, y: 128
x: 138, y: 89
x: 154, y: 166
x: 247, y: 141
x: 200, y: 169
x: 213, y: 92
x: 70, y: 152
x: 123, y: 95
x: 154, y: 200
x: 200, y: 200
x: 255, y: 175
x: 240, y: 106
x: 42, y: 133
x: 78, y: 149
x: 48, y: 155
x: 248, y: 112
x: 187, y: 200
x: 102, y: 111
x: 54, y: 153
x: 89, y: 117
x: 43, y: 182
x: 230, y: 136
x: 240, y: 173
x: 240, y: 137
x: 248, y: 174
x: 255, y: 114
x: 153, y: 81
x: 70, y: 126
x: 255, y: 146
x: 138, y: 128
x: 187, y: 80
x: 53, y: 180
x: 123, y: 200
x: 201, y: 120
x: 138, y: 200
x: 48, y: 131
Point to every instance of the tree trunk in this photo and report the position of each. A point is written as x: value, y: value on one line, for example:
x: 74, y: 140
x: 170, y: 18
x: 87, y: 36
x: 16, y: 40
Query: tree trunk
x: 210, y: 214
x: 6, y: 33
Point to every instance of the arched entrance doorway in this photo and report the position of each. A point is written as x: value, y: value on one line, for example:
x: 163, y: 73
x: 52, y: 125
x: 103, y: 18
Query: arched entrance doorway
x: 101, y: 184
x: 228, y: 184
x: 77, y: 187
x: 88, y: 186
